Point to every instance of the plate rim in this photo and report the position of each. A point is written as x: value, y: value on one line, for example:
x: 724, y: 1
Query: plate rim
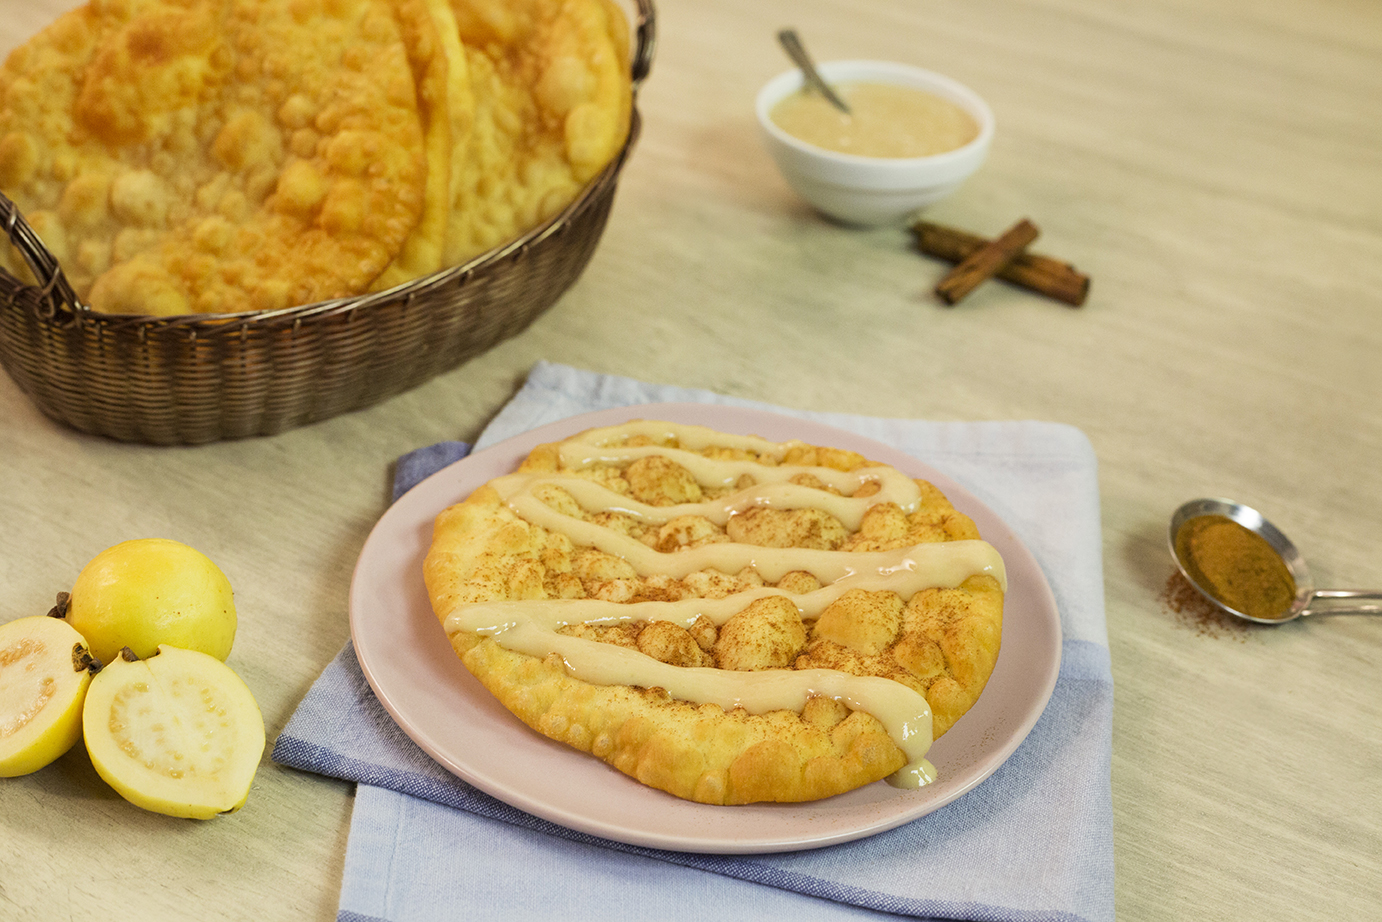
x: 726, y: 833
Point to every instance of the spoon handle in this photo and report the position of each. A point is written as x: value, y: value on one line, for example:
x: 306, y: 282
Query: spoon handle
x: 797, y: 52
x: 1345, y: 602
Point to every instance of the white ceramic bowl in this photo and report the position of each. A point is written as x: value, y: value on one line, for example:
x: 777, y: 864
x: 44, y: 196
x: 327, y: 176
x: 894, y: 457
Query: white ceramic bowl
x: 873, y: 191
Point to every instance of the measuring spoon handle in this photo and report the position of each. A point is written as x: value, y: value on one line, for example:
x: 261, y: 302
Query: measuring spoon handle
x: 1345, y: 602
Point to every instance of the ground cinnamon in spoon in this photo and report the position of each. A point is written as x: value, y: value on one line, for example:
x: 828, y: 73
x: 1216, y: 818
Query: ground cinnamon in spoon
x: 1237, y: 566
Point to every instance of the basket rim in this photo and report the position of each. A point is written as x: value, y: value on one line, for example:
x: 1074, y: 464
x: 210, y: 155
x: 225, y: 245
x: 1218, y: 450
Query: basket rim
x: 55, y: 302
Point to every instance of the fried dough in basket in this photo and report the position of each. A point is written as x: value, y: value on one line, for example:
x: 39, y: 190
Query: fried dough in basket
x: 219, y: 155
x: 446, y: 109
x: 550, y: 80
x: 200, y: 156
x: 724, y: 618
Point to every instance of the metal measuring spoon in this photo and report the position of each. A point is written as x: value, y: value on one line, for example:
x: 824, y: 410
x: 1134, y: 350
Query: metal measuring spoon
x: 1308, y: 600
x: 797, y: 52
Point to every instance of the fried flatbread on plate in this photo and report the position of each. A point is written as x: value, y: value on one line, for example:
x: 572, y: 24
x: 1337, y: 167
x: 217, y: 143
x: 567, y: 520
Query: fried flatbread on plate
x: 725, y: 618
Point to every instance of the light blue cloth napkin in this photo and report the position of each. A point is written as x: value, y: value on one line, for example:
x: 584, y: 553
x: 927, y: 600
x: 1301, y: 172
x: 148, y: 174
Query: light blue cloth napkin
x: 1033, y: 842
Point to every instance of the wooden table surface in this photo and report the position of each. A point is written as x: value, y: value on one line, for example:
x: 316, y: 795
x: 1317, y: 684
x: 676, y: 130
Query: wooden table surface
x: 1216, y: 167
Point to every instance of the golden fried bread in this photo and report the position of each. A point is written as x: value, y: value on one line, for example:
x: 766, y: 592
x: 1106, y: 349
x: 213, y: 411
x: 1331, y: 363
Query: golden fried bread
x: 219, y: 155
x: 725, y: 618
x: 552, y: 95
x: 446, y: 109
x: 194, y: 156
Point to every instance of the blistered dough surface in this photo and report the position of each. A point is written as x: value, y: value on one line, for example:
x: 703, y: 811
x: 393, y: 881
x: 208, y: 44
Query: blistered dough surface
x: 552, y: 106
x: 218, y: 155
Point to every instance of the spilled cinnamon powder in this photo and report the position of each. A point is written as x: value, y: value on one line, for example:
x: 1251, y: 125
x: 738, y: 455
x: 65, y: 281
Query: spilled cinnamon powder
x: 1197, y: 613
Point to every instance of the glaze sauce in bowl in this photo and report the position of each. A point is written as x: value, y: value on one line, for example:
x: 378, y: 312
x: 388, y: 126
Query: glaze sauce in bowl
x: 885, y: 120
x: 912, y: 138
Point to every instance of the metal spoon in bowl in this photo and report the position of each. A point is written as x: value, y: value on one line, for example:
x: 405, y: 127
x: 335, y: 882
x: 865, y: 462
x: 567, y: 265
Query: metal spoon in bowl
x: 1300, y: 597
x: 797, y: 52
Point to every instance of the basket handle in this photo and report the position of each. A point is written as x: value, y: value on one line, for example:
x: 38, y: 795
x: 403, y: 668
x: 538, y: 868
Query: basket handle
x: 54, y: 294
x: 646, y: 33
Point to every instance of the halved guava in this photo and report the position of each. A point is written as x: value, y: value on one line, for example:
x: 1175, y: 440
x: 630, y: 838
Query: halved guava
x: 45, y: 670
x: 177, y: 733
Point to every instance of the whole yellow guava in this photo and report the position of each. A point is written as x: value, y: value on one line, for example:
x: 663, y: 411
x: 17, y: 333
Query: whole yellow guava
x: 152, y: 591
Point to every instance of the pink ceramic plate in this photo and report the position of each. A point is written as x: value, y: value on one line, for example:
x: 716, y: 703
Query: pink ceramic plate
x: 412, y: 669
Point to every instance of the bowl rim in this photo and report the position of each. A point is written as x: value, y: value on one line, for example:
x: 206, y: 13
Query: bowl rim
x: 789, y: 81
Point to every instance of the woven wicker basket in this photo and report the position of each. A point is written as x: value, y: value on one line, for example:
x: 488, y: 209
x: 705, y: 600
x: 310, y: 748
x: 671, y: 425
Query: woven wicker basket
x: 200, y: 378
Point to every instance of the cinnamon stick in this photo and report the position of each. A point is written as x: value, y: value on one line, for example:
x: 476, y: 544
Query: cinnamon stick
x: 1041, y: 274
x: 983, y: 263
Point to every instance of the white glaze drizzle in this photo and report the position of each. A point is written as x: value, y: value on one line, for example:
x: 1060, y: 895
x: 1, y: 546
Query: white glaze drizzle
x: 894, y: 704
x: 771, y: 481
